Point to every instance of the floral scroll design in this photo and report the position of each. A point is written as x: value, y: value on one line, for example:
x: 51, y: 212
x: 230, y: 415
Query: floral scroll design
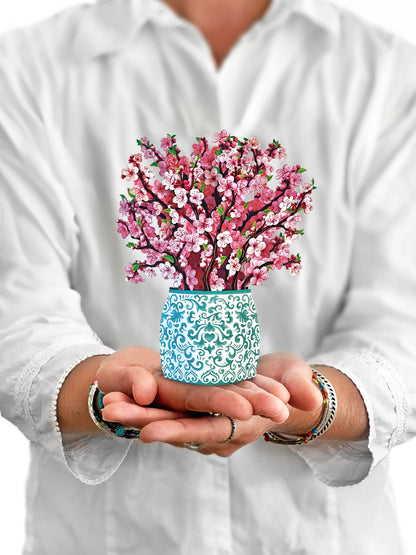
x: 209, y: 337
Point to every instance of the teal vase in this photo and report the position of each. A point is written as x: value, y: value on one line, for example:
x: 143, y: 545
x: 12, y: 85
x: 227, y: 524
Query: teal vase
x: 209, y: 337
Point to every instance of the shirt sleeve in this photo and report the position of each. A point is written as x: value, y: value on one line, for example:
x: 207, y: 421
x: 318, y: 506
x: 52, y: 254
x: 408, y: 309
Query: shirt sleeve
x: 43, y: 331
x: 373, y: 339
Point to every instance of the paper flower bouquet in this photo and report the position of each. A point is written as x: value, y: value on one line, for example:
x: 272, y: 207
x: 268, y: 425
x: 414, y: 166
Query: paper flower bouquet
x: 213, y: 223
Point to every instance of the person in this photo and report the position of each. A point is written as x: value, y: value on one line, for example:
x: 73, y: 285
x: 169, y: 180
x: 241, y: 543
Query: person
x: 77, y: 91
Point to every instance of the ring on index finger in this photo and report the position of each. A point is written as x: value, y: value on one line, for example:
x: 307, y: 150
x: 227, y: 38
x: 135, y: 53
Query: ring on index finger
x: 233, y: 427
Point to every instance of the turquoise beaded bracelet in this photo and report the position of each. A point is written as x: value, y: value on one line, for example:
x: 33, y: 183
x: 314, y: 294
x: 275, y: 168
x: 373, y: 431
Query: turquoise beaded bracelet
x: 329, y: 410
x: 96, y: 405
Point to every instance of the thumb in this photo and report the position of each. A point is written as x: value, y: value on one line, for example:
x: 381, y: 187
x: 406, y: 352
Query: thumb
x: 304, y: 393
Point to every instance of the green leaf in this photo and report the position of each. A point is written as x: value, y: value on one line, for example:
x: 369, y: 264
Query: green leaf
x: 169, y: 258
x: 239, y: 253
x: 270, y: 178
x: 218, y: 151
x: 301, y: 170
x: 139, y: 221
x: 220, y: 210
x: 246, y: 205
x: 228, y: 218
x: 135, y: 266
x: 123, y: 197
x: 131, y: 194
x: 155, y: 164
x: 202, y: 188
x: 131, y: 245
x: 222, y: 260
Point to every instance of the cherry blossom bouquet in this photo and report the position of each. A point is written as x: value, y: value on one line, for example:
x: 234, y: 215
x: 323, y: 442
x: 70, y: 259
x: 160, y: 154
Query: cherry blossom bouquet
x: 218, y: 219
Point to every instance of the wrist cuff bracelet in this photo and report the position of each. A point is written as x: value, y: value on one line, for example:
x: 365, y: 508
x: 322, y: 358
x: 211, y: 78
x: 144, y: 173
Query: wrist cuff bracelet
x: 96, y: 405
x: 329, y: 410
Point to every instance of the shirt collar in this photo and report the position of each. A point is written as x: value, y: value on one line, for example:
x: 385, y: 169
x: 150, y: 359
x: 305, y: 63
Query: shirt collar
x: 109, y: 26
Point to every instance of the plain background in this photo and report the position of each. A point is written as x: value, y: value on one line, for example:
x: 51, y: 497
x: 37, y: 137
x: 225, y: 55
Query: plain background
x: 398, y: 16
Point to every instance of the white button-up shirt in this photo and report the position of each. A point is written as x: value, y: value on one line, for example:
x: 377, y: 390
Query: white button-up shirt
x: 76, y: 92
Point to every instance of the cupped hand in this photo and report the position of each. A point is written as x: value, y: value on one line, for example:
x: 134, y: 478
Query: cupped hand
x: 141, y: 393
x: 208, y: 431
x: 295, y: 375
x: 302, y: 412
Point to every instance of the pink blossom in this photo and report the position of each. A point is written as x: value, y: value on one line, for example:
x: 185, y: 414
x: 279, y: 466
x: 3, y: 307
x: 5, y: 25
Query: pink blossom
x: 281, y: 153
x: 307, y: 204
x: 151, y: 256
x: 267, y: 195
x: 294, y: 268
x: 160, y: 245
x: 180, y: 197
x: 256, y: 246
x: 174, y: 216
x: 122, y: 229
x: 233, y: 266
x: 167, y: 271
x: 225, y: 185
x: 130, y: 173
x: 259, y: 275
x: 140, y: 193
x: 220, y: 137
x: 216, y: 283
x: 199, y: 147
x: 150, y: 272
x: 194, y: 242
x: 134, y: 230
x: 166, y: 143
x: 191, y: 277
x: 196, y: 196
x: 253, y: 142
x: 203, y: 224
x: 137, y: 158
x: 170, y: 179
x: 223, y: 239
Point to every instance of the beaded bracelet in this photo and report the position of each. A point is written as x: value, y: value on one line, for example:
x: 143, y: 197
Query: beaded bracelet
x: 96, y: 405
x: 329, y: 410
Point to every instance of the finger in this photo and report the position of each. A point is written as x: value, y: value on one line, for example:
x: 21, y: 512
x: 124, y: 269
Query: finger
x: 135, y: 381
x: 131, y: 414
x: 263, y: 402
x: 296, y: 375
x: 304, y: 394
x: 272, y: 386
x: 202, y: 398
x: 204, y: 429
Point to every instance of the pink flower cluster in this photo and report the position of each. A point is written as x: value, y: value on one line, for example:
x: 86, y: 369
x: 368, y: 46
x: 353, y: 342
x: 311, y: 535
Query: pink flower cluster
x: 215, y: 220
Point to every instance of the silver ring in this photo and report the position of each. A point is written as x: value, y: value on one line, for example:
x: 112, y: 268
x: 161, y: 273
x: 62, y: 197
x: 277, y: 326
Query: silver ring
x: 193, y: 445
x: 233, y: 428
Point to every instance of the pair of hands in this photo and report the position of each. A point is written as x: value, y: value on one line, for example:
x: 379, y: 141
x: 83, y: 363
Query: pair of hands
x: 138, y: 395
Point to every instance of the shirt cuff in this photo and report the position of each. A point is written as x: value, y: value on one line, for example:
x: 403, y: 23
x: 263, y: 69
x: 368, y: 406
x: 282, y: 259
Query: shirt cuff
x: 384, y: 394
x: 91, y: 459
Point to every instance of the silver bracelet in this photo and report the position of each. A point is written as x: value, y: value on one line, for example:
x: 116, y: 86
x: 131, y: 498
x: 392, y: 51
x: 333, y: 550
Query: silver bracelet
x: 329, y: 410
x: 96, y: 405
